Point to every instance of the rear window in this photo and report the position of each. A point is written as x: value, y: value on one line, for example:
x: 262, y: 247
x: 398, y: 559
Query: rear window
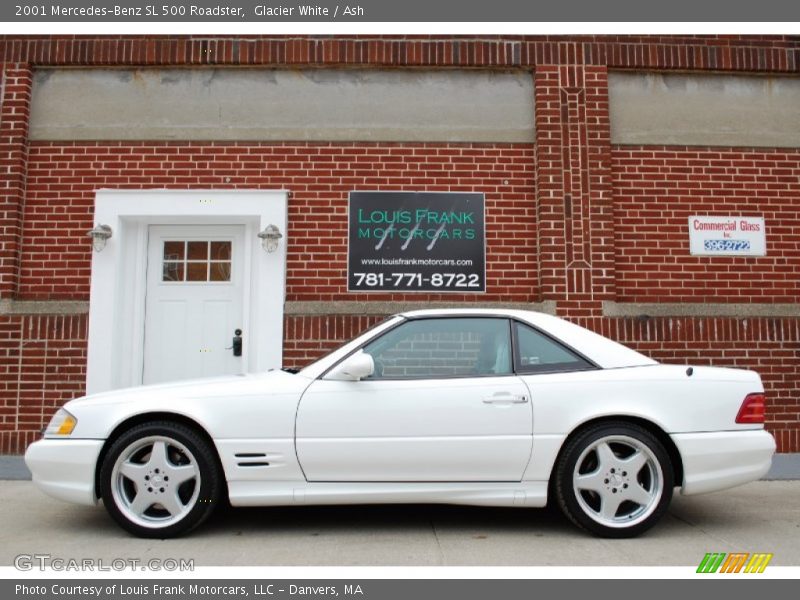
x: 539, y: 353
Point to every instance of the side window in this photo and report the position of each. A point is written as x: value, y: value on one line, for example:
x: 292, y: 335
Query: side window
x: 537, y: 352
x: 436, y: 348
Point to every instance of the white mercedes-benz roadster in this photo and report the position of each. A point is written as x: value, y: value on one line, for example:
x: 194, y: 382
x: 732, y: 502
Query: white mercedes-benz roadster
x: 486, y: 407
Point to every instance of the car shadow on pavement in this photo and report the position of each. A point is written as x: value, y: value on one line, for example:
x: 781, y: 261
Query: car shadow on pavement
x: 371, y: 518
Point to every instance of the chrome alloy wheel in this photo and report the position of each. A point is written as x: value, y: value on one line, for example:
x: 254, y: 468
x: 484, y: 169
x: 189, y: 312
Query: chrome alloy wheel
x: 155, y: 481
x: 618, y: 481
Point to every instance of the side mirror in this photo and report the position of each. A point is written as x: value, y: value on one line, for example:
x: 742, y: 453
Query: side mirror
x: 353, y: 368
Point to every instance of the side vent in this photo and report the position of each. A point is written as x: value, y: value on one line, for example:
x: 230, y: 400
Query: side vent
x: 251, y: 463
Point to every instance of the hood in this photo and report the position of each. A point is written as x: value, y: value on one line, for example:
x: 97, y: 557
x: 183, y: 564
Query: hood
x: 275, y: 381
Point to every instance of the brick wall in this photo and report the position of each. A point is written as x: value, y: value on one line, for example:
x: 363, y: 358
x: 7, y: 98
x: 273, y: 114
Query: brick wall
x: 750, y: 53
x: 15, y: 83
x: 42, y: 366
x: 573, y: 187
x: 656, y: 189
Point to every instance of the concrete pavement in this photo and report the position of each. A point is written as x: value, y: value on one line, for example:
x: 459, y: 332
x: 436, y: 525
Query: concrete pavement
x: 759, y: 517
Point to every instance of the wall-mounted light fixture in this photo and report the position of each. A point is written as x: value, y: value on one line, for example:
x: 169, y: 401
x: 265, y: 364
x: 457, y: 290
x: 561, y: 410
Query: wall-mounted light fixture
x: 269, y: 238
x: 99, y: 235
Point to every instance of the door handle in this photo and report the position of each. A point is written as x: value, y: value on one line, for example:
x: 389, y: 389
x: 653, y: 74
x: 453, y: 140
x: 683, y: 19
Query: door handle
x: 236, y: 343
x: 506, y: 399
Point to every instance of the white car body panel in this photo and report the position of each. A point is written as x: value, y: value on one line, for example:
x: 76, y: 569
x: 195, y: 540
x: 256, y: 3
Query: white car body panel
x: 65, y: 469
x: 255, y: 406
x: 241, y: 414
x: 468, y: 429
x: 527, y: 494
x: 662, y: 394
x: 423, y: 441
x: 716, y: 461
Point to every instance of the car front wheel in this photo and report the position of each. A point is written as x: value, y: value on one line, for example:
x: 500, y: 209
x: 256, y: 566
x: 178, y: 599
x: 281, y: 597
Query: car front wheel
x: 614, y: 480
x: 160, y: 480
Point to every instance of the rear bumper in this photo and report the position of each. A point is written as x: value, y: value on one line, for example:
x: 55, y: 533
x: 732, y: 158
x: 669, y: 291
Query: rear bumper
x: 65, y: 469
x: 724, y: 459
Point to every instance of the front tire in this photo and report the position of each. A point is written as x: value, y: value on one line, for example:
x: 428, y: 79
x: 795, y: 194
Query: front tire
x: 614, y: 480
x: 160, y: 480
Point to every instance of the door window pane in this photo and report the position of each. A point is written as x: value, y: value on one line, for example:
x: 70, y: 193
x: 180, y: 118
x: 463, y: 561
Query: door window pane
x: 434, y: 348
x: 174, y: 250
x: 537, y: 352
x: 220, y: 271
x: 220, y: 251
x: 173, y: 271
x: 197, y: 271
x: 197, y: 250
x: 196, y: 261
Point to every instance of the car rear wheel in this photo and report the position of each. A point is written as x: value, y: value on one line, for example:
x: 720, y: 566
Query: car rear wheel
x: 160, y: 480
x: 614, y: 480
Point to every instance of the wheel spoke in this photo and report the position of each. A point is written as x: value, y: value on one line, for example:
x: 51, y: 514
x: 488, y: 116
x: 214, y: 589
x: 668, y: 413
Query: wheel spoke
x: 590, y: 481
x: 609, y: 505
x: 636, y: 493
x: 133, y: 471
x: 158, y: 455
x: 141, y: 503
x: 605, y: 456
x: 171, y: 503
x: 177, y: 475
x: 634, y: 463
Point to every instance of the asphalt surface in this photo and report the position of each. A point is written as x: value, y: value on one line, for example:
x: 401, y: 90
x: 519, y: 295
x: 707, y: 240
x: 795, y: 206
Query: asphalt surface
x: 763, y: 516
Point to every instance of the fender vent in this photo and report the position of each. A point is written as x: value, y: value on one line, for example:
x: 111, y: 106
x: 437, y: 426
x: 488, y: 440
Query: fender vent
x: 248, y: 463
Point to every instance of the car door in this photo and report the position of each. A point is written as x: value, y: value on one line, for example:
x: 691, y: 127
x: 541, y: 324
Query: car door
x: 442, y: 405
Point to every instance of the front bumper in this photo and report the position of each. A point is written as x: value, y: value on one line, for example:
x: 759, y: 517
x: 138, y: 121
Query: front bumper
x: 723, y: 459
x: 65, y: 468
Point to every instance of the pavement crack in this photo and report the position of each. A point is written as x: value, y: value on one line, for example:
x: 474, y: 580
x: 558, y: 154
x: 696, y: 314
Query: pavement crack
x: 438, y: 543
x: 683, y: 520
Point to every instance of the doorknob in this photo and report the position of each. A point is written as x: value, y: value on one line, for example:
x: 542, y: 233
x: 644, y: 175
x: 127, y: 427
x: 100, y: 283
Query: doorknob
x: 237, y: 342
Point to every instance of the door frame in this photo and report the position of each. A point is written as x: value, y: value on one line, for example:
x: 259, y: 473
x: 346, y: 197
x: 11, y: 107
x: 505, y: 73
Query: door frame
x: 119, y: 284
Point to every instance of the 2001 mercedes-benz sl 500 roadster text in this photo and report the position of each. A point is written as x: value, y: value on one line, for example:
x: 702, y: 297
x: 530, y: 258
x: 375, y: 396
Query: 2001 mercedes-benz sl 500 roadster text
x: 488, y: 407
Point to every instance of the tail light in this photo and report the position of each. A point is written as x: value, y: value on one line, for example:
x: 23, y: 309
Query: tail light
x: 752, y: 410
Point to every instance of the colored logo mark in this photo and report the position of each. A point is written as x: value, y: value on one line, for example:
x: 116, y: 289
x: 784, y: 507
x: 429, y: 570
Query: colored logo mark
x: 735, y: 562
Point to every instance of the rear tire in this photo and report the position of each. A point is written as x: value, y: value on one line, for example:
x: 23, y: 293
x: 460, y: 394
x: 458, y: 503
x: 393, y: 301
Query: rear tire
x: 160, y: 480
x: 614, y: 480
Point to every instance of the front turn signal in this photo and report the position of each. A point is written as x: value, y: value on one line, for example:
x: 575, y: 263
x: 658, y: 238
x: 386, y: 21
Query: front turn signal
x: 62, y: 423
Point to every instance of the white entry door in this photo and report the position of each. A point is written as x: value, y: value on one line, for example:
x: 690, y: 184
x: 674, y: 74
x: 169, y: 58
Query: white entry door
x: 194, y: 303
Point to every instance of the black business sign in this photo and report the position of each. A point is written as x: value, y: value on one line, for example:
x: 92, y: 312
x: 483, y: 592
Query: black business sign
x: 416, y: 242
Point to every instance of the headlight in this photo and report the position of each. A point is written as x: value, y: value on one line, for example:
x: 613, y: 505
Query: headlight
x: 62, y: 423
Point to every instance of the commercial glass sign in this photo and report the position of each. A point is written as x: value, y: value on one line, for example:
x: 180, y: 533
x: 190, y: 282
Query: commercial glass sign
x: 727, y: 236
x: 416, y: 242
